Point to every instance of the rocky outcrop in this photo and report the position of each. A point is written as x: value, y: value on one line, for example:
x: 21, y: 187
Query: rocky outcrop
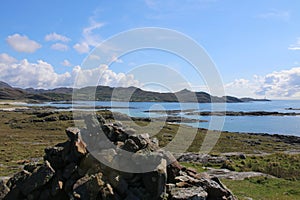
x: 200, y: 158
x: 72, y: 170
x: 233, y: 175
x: 241, y: 113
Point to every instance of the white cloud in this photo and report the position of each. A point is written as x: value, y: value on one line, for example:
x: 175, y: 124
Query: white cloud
x: 42, y: 75
x: 278, y: 84
x: 7, y: 59
x: 37, y: 75
x: 295, y: 46
x: 59, y: 47
x: 103, y: 76
x: 94, y: 57
x: 56, y: 37
x: 82, y: 47
x: 66, y: 63
x: 22, y: 43
x: 116, y: 59
x: 276, y: 14
x: 89, y: 38
x: 285, y: 83
x: 241, y: 88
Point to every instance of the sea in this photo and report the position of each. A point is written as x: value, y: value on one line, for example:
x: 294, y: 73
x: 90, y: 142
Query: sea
x: 285, y: 125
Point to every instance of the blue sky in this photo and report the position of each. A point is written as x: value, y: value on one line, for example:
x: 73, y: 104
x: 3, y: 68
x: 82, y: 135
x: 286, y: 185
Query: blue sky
x: 254, y: 44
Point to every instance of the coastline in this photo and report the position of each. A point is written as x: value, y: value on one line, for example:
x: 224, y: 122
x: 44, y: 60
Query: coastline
x: 39, y: 128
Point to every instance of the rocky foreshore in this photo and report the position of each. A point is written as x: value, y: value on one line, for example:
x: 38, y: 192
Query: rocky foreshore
x: 70, y: 170
x: 241, y: 113
x: 225, y: 113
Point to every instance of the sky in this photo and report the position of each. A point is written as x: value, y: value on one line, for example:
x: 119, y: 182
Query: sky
x: 254, y: 45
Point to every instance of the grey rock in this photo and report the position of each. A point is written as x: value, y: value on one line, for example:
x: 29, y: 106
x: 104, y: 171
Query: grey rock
x: 38, y: 178
x: 72, y: 133
x: 55, y: 156
x: 4, y: 189
x: 18, y: 179
x: 45, y: 195
x: 65, y: 117
x: 30, y: 167
x: 141, y: 140
x: 69, y: 170
x: 155, y: 181
x: 201, y: 158
x: 227, y: 174
x: 56, y: 186
x: 191, y: 193
x: 215, y: 189
x: 89, y: 165
x: 130, y: 146
x: 88, y: 187
x: 118, y: 124
x: 51, y: 119
x: 130, y: 131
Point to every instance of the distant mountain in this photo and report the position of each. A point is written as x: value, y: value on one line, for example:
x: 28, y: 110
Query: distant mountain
x: 106, y: 93
x: 4, y: 85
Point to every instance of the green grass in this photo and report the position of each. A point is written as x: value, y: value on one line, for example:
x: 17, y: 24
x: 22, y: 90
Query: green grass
x: 279, y: 165
x: 22, y: 139
x: 262, y: 188
x: 199, y: 167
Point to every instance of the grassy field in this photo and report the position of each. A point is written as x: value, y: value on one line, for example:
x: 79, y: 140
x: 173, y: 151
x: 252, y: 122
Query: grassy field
x: 261, y: 188
x: 25, y: 134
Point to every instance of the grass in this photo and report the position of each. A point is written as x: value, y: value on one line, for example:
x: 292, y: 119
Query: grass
x: 280, y: 165
x: 262, y: 188
x: 22, y: 139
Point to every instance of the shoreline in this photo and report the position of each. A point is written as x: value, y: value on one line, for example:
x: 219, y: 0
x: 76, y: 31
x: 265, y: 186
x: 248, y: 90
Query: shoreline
x: 171, y: 117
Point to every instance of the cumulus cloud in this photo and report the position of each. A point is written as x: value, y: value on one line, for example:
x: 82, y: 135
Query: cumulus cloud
x: 285, y: 83
x: 42, y: 75
x: 56, y: 37
x: 103, y: 76
x: 278, y: 84
x: 7, y: 59
x: 82, y: 47
x: 22, y: 43
x: 66, y: 63
x: 295, y: 46
x: 38, y: 75
x: 59, y: 47
x: 241, y: 87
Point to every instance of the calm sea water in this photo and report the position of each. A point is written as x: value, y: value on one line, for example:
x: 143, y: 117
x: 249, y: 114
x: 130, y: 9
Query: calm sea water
x: 289, y: 125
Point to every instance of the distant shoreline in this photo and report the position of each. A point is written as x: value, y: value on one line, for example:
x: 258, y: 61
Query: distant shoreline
x: 106, y: 93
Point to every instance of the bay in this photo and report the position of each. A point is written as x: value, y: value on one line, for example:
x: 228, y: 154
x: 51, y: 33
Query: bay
x: 287, y: 125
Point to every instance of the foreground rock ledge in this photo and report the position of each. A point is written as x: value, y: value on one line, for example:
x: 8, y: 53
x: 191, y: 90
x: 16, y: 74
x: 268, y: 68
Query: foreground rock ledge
x: 70, y: 171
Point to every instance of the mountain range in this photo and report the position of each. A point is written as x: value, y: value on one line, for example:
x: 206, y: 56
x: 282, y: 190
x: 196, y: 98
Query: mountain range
x: 106, y: 93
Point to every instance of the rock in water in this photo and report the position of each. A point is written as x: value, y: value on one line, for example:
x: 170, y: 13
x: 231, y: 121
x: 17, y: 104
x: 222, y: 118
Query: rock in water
x: 70, y: 171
